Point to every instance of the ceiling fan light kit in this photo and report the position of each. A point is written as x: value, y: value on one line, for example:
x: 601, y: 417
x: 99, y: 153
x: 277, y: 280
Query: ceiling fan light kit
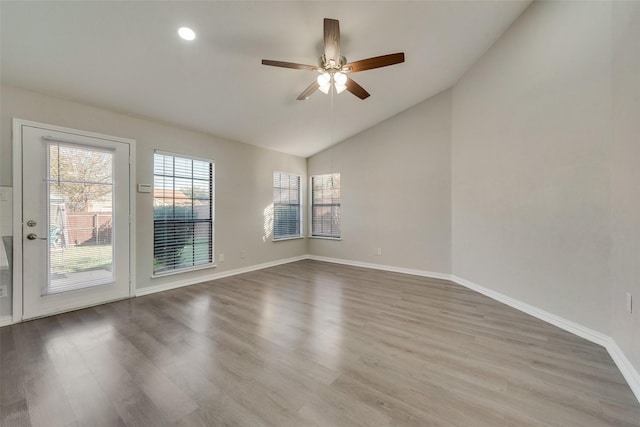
x: 334, y: 68
x: 337, y: 79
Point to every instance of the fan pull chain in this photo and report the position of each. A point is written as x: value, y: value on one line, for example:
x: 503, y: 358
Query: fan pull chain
x: 332, y: 125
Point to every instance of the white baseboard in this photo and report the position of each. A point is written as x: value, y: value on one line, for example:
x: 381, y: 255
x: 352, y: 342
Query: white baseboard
x: 412, y: 271
x: 6, y: 321
x: 629, y: 372
x: 562, y: 323
x: 213, y: 276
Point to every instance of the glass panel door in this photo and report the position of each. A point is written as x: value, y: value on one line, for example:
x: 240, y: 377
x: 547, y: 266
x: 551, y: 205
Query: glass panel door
x: 76, y: 191
x: 81, y: 221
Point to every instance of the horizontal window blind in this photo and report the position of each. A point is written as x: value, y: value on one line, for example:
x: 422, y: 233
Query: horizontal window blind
x: 325, y: 205
x: 286, y: 206
x: 183, y: 210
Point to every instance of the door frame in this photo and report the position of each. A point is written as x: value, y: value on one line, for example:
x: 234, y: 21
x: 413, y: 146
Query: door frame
x: 17, y: 274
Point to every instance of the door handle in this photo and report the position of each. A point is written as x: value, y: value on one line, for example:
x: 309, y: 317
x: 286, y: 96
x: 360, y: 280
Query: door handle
x: 33, y: 236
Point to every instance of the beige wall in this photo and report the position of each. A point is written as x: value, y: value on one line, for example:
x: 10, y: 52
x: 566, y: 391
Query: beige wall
x: 395, y: 190
x: 243, y: 178
x: 625, y: 178
x: 531, y: 140
x: 545, y: 149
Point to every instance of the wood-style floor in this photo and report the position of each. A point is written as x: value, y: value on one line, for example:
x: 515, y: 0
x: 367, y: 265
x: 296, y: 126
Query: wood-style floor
x: 307, y: 344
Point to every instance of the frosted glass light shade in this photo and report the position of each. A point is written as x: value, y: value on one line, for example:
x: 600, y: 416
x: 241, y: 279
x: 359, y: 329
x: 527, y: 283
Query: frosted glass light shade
x: 324, y: 79
x: 340, y: 79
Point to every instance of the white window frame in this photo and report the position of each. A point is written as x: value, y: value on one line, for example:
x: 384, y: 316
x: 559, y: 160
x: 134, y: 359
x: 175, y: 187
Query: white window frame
x: 312, y: 205
x: 211, y: 263
x: 299, y: 234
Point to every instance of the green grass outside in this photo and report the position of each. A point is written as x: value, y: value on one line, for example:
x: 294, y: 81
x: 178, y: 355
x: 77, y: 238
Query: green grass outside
x: 81, y: 258
x: 99, y: 257
x: 193, y: 253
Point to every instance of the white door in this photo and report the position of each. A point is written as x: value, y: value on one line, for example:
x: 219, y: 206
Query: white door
x: 75, y: 220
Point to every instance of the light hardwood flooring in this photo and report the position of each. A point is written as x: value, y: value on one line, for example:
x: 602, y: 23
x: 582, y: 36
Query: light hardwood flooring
x: 307, y: 344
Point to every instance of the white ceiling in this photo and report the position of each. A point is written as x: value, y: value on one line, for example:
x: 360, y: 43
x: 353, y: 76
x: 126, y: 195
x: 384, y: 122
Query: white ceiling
x: 126, y: 56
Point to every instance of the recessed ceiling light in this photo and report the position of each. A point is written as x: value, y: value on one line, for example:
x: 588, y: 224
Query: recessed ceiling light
x: 186, y: 33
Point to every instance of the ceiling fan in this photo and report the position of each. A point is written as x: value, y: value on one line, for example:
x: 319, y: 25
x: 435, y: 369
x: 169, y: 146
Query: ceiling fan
x: 334, y: 68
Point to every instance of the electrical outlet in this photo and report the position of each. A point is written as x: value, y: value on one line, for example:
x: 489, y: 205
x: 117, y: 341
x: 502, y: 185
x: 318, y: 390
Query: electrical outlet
x: 221, y: 257
x: 629, y: 302
x: 4, y: 291
x: 243, y: 254
x: 379, y: 251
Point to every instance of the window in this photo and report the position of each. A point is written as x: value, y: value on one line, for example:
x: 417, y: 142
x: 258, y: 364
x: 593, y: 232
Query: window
x: 182, y: 212
x: 325, y: 205
x: 286, y: 206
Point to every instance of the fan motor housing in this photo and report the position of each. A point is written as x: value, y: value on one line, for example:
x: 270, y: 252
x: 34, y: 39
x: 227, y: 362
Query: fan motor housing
x: 329, y: 65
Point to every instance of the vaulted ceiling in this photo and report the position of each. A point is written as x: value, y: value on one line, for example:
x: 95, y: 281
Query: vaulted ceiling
x: 126, y: 56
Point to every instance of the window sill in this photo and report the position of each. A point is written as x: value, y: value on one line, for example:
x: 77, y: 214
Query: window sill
x: 287, y: 238
x: 326, y: 238
x: 183, y: 270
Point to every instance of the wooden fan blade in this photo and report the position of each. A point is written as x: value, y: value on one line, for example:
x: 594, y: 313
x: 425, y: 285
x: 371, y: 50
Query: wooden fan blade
x: 308, y: 91
x: 332, y: 40
x: 356, y: 89
x: 376, y: 62
x: 288, y: 65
